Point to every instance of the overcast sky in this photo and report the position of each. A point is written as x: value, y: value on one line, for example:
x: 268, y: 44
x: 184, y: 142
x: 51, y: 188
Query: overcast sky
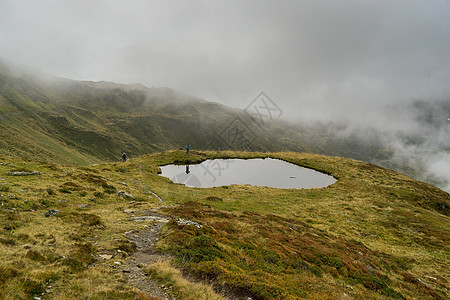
x: 332, y: 59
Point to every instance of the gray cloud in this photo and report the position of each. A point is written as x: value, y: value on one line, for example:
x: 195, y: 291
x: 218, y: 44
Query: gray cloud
x: 328, y: 60
x: 318, y: 54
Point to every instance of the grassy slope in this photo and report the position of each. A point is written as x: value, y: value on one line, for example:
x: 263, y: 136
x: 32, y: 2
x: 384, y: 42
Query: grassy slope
x: 373, y: 234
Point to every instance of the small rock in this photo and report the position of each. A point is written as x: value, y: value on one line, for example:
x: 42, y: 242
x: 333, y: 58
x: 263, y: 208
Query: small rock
x: 430, y: 277
x: 181, y: 221
x: 128, y: 211
x: 123, y: 183
x: 22, y: 173
x: 117, y: 263
x: 36, y: 298
x: 105, y: 256
x: 83, y: 205
x: 150, y: 218
x: 52, y: 212
x: 125, y: 195
x: 423, y: 282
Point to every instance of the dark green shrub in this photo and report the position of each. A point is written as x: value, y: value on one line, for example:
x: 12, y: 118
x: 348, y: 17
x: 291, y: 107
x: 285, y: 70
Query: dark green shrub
x: 65, y: 190
x: 80, y: 258
x: 11, y: 220
x: 127, y: 247
x: 35, y: 255
x: 7, y: 242
x: 7, y: 273
x: 214, y: 198
x: 99, y: 194
x: 108, y: 188
x: 32, y: 287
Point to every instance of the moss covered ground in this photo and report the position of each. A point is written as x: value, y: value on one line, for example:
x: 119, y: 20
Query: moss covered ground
x: 373, y: 234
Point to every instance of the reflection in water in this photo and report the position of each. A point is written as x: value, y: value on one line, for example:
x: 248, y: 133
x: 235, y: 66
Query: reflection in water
x: 258, y: 172
x: 186, y: 179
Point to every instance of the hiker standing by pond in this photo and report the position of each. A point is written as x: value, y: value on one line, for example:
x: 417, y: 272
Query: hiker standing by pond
x: 187, y: 148
x: 124, y: 157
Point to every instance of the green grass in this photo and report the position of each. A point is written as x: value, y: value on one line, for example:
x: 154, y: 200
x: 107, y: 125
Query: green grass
x: 372, y: 234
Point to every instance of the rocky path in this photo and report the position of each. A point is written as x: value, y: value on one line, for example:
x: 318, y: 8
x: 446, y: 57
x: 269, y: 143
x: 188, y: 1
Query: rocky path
x: 134, y: 268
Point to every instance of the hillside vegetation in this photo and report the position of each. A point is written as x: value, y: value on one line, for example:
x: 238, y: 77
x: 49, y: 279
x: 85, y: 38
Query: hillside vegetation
x: 374, y: 234
x: 76, y: 122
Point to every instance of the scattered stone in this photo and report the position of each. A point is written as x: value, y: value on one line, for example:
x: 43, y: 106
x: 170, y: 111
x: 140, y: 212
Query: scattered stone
x: 181, y: 221
x: 423, y: 282
x: 36, y: 298
x: 150, y: 218
x: 123, y: 183
x: 125, y: 195
x: 83, y: 205
x: 22, y: 173
x: 369, y: 268
x: 105, y: 256
x: 2, y: 178
x: 430, y: 277
x: 52, y: 212
x: 117, y: 263
x: 128, y: 211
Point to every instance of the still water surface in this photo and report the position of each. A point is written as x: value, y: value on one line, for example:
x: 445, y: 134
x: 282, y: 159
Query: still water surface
x: 257, y: 172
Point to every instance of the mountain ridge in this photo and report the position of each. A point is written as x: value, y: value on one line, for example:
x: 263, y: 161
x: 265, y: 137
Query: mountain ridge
x: 82, y: 122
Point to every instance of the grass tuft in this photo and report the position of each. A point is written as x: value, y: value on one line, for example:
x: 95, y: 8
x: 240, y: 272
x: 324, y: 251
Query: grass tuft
x: 177, y: 286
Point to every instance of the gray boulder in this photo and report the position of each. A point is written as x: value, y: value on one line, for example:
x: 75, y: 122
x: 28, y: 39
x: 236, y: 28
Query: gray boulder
x: 52, y: 212
x: 125, y: 195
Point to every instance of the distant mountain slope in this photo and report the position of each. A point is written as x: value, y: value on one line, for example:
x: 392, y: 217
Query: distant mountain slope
x: 80, y: 122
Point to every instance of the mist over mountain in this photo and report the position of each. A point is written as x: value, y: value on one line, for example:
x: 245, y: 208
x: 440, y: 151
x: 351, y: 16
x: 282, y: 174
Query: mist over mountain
x: 62, y: 120
x: 372, y: 74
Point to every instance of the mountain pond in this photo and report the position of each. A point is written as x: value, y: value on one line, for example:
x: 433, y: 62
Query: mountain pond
x: 257, y: 172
